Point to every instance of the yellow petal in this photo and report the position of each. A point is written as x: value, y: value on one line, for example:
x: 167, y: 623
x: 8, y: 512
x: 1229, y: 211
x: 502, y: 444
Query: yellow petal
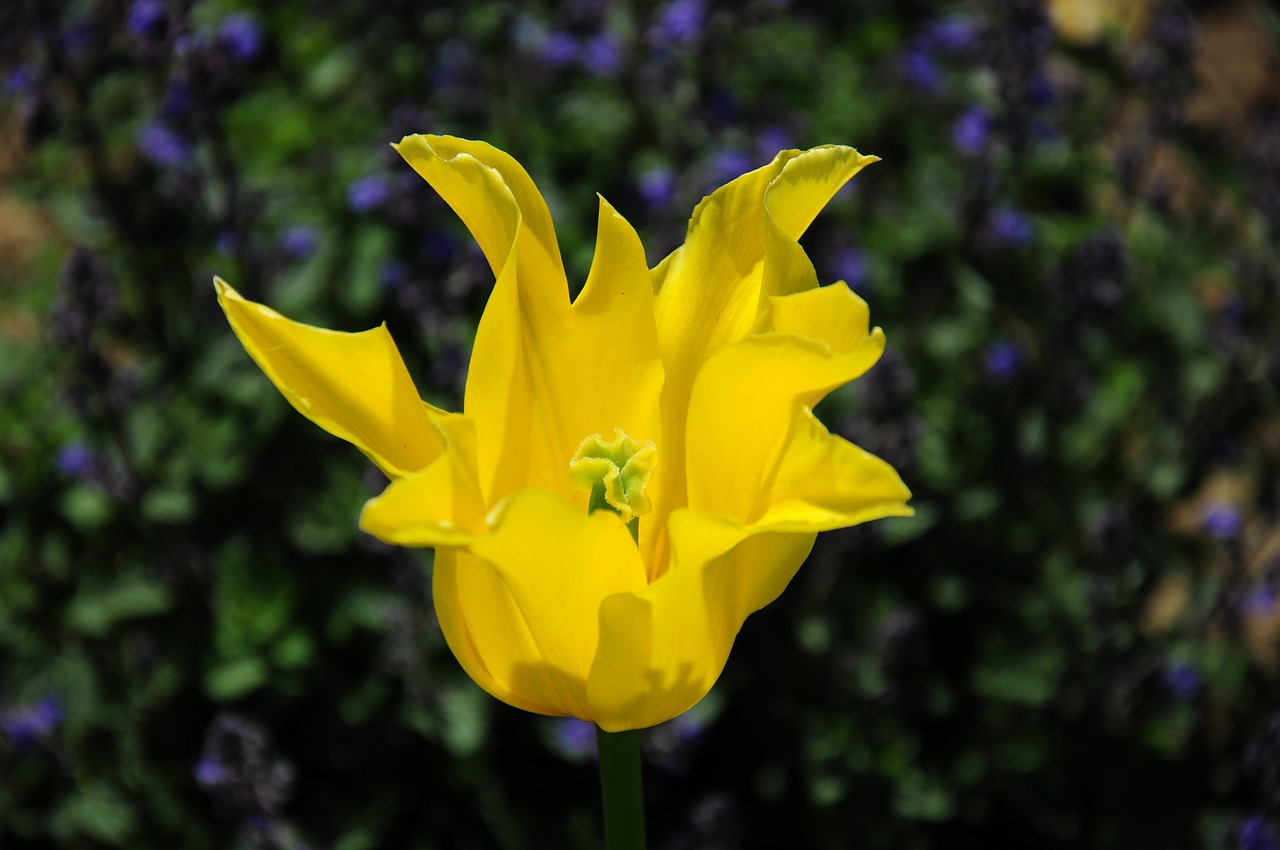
x: 740, y: 250
x: 439, y: 506
x: 833, y: 314
x: 559, y: 564
x: 494, y: 196
x: 353, y: 385
x: 483, y: 627
x: 825, y: 482
x: 662, y: 648
x: 742, y: 410
x: 545, y: 374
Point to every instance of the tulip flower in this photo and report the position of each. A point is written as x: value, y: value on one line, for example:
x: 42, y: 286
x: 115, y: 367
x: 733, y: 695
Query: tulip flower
x: 634, y: 471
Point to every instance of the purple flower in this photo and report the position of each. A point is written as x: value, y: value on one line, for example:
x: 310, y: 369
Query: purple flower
x: 1039, y: 91
x: 438, y: 247
x: 241, y: 36
x: 368, y: 193
x: 602, y: 55
x: 920, y: 70
x: 1221, y: 519
x: 452, y: 61
x: 74, y: 460
x: 771, y: 140
x: 393, y: 274
x: 225, y: 243
x: 299, y: 241
x: 575, y: 739
x: 20, y: 81
x: 950, y: 35
x: 1001, y: 360
x: 851, y: 266
x: 162, y: 145
x: 1009, y: 227
x: 679, y: 21
x: 177, y: 100
x: 657, y: 186
x: 970, y: 131
x: 730, y: 164
x: 148, y: 20
x: 1262, y: 599
x: 1256, y: 834
x: 210, y: 772
x: 559, y: 50
x: 25, y: 725
x: 1182, y: 679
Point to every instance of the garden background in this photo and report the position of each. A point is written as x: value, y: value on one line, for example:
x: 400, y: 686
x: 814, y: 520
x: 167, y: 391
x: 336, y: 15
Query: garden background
x: 1070, y: 243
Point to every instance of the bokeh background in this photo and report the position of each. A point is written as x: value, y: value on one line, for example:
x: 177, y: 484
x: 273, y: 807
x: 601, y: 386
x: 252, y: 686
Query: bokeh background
x: 1070, y: 243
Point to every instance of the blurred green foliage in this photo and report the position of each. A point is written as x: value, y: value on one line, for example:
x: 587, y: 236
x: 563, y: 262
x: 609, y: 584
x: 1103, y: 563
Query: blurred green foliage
x: 1070, y: 244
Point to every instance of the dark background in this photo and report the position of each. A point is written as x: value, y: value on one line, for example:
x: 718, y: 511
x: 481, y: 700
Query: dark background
x: 1070, y: 243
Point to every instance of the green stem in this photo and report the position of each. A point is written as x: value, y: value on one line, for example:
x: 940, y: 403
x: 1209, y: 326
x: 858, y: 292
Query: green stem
x: 621, y: 789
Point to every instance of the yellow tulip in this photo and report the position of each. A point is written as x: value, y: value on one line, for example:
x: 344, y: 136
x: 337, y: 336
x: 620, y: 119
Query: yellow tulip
x: 634, y: 472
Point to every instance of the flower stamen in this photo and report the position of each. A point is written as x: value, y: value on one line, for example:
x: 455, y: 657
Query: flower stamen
x: 616, y: 471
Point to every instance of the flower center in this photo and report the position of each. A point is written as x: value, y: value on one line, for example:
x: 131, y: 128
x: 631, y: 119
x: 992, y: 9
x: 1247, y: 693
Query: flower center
x: 616, y: 471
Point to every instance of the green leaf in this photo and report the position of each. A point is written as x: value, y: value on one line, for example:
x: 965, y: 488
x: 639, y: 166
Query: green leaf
x: 1028, y: 677
x: 233, y: 679
x: 97, y: 811
x: 96, y: 608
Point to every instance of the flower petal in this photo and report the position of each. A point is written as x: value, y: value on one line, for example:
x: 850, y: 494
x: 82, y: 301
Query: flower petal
x: 662, y: 648
x: 494, y: 196
x: 742, y: 411
x: 834, y: 314
x: 439, y: 506
x: 545, y: 374
x: 824, y: 482
x: 353, y: 385
x: 486, y: 632
x: 559, y: 564
x: 740, y: 250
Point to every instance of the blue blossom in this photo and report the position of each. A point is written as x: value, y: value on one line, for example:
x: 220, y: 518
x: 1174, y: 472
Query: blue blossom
x: 602, y: 55
x: 575, y: 739
x: 1001, y: 360
x: 1183, y: 680
x: 679, y: 22
x: 657, y: 186
x: 241, y: 36
x: 730, y: 164
x: 971, y: 130
x: 147, y: 19
x: 851, y: 266
x: 438, y: 247
x: 177, y: 100
x: 1262, y: 598
x: 393, y: 274
x: 559, y: 50
x: 299, y: 241
x: 920, y: 69
x: 1040, y: 92
x: 950, y: 35
x: 772, y: 139
x: 20, y: 81
x: 225, y: 243
x: 27, y: 724
x: 210, y: 772
x: 1007, y: 226
x: 1255, y: 834
x: 368, y: 193
x: 74, y: 459
x: 1221, y: 519
x: 452, y: 61
x: 162, y: 145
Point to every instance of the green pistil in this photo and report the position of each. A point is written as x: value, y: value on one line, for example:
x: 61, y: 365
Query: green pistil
x: 616, y: 471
